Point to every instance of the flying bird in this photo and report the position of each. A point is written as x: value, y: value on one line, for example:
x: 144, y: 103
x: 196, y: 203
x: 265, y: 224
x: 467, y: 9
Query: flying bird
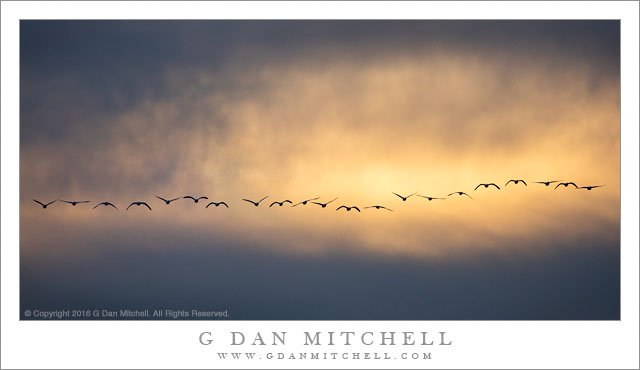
x: 217, y: 204
x: 73, y: 203
x: 404, y: 199
x: 460, y: 193
x: 167, y: 201
x: 349, y: 208
x: 487, y: 185
x: 546, y: 183
x: 304, y: 202
x: 323, y: 205
x: 194, y: 199
x: 591, y: 187
x: 430, y: 198
x: 281, y: 203
x: 255, y: 203
x: 44, y: 205
x: 378, y: 207
x: 516, y: 182
x: 566, y: 184
x: 138, y: 204
x: 106, y: 204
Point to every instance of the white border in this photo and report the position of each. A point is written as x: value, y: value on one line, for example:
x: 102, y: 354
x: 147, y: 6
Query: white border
x: 484, y: 344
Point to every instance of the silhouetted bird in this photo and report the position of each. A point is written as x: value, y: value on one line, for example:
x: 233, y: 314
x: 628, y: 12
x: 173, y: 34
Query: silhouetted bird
x: 167, y: 201
x: 138, y: 204
x: 430, y: 198
x: 323, y: 205
x: 106, y: 204
x: 460, y: 193
x: 255, y: 203
x: 378, y: 207
x: 281, y: 203
x: 566, y: 184
x: 194, y: 199
x: 404, y: 199
x: 591, y: 187
x: 217, y: 204
x: 349, y: 208
x: 515, y: 182
x: 304, y: 202
x: 487, y: 185
x: 44, y: 205
x: 73, y: 203
x: 546, y: 183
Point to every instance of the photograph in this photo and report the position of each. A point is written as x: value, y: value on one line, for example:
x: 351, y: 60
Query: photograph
x: 319, y: 169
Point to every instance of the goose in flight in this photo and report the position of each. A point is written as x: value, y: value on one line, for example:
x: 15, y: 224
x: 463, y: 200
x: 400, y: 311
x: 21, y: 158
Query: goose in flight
x: 566, y: 184
x: 167, y: 201
x: 460, y: 193
x: 487, y: 185
x: 516, y: 182
x: 106, y: 204
x: 546, y: 183
x: 194, y: 199
x: 404, y: 199
x: 378, y: 207
x: 44, y: 205
x: 217, y: 204
x: 323, y: 205
x: 590, y: 187
x: 304, y: 202
x: 74, y: 202
x: 255, y: 203
x: 349, y: 208
x: 430, y: 198
x: 281, y: 203
x: 138, y: 204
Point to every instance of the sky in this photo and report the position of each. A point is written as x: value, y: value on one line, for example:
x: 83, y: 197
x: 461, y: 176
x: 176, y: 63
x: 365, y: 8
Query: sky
x: 121, y: 111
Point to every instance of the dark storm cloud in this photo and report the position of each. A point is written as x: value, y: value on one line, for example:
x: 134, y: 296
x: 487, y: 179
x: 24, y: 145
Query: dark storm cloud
x: 72, y: 70
x: 568, y: 283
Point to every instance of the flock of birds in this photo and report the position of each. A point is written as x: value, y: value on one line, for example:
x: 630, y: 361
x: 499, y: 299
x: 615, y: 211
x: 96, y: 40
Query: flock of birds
x: 311, y: 200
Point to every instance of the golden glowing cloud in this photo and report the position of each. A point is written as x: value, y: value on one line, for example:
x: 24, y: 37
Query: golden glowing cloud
x: 355, y: 129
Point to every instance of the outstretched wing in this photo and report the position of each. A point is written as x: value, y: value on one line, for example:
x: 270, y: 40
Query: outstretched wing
x: 525, y: 184
x: 37, y: 201
x: 479, y: 185
x: 452, y: 193
x: 225, y: 204
x: 287, y: 201
x: 341, y: 207
x: 356, y: 208
x: 203, y: 198
x: 66, y: 201
x: 189, y: 197
x: 145, y: 203
x: 331, y: 200
x: 250, y: 201
x: 112, y: 205
x: 98, y: 205
x: 210, y: 203
x: 129, y: 206
x: 273, y: 204
x: 467, y: 195
x: 509, y: 182
x: 387, y: 209
x: 173, y: 199
x: 398, y: 195
x: 572, y: 183
x: 263, y: 199
x: 495, y: 186
x: 557, y: 186
x: 161, y: 198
